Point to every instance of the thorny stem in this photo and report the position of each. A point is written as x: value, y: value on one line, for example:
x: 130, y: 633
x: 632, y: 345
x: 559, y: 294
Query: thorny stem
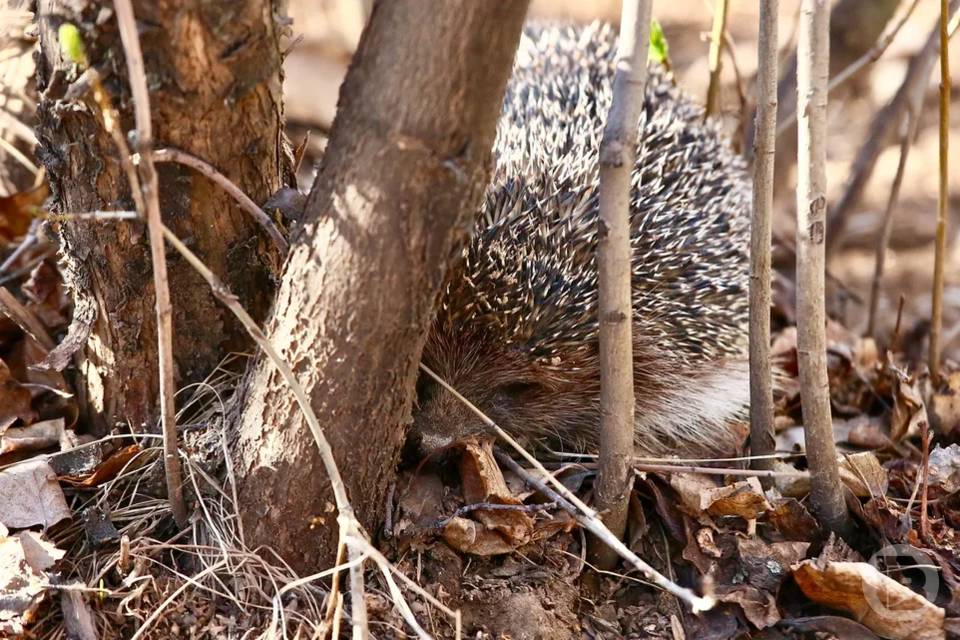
x: 151, y: 211
x: 716, y: 55
x: 761, y: 380
x: 936, y: 320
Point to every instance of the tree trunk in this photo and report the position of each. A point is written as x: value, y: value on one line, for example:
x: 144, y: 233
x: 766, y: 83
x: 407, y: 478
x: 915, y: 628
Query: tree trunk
x: 406, y: 166
x: 214, y: 71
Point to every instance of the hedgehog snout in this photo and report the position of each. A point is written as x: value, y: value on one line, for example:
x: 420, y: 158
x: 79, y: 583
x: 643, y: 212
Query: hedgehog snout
x: 440, y: 418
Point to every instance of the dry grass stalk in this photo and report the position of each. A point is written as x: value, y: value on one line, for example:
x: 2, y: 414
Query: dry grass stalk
x: 812, y: 71
x: 764, y: 148
x: 883, y: 237
x: 936, y: 320
x: 716, y: 56
x: 618, y: 156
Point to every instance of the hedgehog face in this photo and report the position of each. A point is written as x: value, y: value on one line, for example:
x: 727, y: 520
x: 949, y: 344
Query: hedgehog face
x: 525, y: 398
x: 494, y: 380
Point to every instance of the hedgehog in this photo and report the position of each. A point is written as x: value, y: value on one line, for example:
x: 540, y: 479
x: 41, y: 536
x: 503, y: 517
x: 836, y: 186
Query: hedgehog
x: 516, y: 331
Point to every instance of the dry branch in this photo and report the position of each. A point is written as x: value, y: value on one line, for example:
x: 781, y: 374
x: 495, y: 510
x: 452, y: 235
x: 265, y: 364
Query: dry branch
x: 251, y: 207
x: 348, y: 524
x: 764, y: 152
x: 885, y: 127
x: 618, y: 156
x: 812, y: 71
x: 871, y: 56
x: 405, y: 169
x: 151, y: 200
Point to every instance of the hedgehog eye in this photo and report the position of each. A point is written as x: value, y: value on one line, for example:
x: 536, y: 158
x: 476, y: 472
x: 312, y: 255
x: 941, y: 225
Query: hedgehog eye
x: 425, y: 390
x: 518, y: 388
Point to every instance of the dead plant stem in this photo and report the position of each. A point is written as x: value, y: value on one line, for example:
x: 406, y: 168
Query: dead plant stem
x: 716, y: 56
x: 151, y: 201
x: 936, y: 319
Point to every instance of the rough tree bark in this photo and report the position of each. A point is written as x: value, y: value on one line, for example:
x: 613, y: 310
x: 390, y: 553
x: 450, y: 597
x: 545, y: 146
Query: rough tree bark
x: 406, y: 166
x: 214, y: 71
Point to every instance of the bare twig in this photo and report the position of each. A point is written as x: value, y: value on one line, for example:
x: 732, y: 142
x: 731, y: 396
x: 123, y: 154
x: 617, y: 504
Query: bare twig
x: 764, y: 147
x: 871, y: 56
x: 716, y: 56
x: 587, y: 517
x: 812, y: 70
x: 18, y: 128
x: 351, y: 532
x: 936, y: 319
x: 28, y: 241
x: 883, y: 237
x: 925, y: 471
x: 697, y: 603
x: 885, y: 126
x: 493, y: 506
x: 151, y: 201
x: 18, y: 155
x: 251, y: 207
x: 731, y: 48
x: 92, y: 215
x: 715, y: 471
x: 618, y: 157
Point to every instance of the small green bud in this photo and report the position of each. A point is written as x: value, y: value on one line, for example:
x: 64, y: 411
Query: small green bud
x: 659, y: 50
x: 71, y: 44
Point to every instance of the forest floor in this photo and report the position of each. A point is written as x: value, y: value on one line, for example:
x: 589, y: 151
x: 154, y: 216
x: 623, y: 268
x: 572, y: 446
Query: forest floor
x: 91, y: 547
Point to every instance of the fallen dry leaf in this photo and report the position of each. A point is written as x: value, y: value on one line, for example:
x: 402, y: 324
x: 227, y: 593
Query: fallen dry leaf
x: 106, y: 470
x: 14, y: 399
x: 46, y: 295
x: 790, y: 520
x: 24, y: 557
x: 34, y: 437
x: 760, y: 607
x: 944, y: 470
x: 744, y: 499
x: 30, y: 495
x: 500, y: 531
x: 767, y: 564
x: 469, y: 536
x: 909, y: 410
x: 887, y: 607
x: 863, y: 474
x: 944, y: 407
x: 18, y: 210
